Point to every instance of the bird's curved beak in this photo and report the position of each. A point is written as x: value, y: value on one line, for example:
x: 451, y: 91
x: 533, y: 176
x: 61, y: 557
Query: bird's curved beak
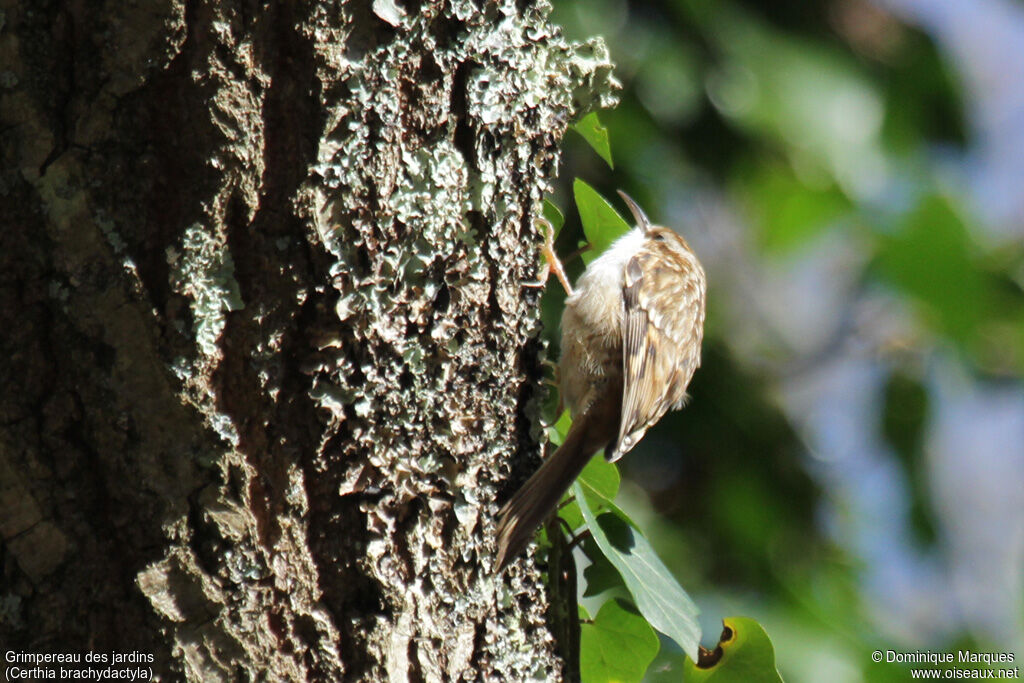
x: 639, y: 216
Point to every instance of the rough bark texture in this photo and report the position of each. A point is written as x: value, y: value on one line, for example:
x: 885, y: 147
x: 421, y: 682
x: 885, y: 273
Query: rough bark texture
x: 267, y: 357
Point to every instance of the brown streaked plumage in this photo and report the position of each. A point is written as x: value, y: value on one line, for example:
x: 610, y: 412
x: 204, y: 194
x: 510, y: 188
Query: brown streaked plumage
x: 631, y: 336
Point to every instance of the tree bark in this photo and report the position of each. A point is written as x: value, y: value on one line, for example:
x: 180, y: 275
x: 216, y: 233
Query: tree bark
x: 268, y: 357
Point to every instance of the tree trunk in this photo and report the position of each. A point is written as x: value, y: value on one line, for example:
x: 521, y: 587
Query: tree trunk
x: 268, y: 358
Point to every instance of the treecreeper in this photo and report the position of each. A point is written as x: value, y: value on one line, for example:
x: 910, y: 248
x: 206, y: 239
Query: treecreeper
x: 631, y: 338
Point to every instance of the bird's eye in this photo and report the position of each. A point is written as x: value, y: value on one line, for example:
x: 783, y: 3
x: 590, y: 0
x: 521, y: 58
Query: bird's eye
x: 659, y: 237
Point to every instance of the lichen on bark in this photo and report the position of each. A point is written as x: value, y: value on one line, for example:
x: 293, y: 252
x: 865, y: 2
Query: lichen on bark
x: 436, y: 357
x: 285, y: 250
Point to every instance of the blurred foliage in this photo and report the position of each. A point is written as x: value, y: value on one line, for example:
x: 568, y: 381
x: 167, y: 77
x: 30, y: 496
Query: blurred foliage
x: 903, y: 421
x: 817, y: 124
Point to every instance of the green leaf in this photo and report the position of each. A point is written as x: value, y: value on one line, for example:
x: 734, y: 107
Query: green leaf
x: 601, y: 223
x: 600, y: 475
x: 570, y: 512
x: 557, y: 431
x: 744, y: 655
x: 553, y: 215
x: 661, y: 600
x: 600, y: 576
x: 596, y: 135
x: 618, y: 646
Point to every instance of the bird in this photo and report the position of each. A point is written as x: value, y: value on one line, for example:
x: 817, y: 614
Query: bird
x: 631, y: 335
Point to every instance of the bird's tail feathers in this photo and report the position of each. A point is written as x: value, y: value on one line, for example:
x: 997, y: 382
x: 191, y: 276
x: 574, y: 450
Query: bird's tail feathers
x: 537, y: 498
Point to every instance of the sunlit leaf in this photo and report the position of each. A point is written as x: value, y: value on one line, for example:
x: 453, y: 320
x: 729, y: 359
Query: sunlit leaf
x: 618, y: 646
x: 596, y: 135
x: 553, y: 215
x: 746, y: 656
x: 557, y: 431
x: 661, y: 600
x: 601, y: 476
x: 570, y: 512
x: 601, y: 223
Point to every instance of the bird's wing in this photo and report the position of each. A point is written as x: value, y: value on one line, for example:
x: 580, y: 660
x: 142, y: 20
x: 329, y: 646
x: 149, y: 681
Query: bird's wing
x: 659, y: 351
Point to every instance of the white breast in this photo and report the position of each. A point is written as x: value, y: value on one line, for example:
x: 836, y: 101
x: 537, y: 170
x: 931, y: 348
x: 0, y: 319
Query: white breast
x: 592, y: 323
x: 598, y: 295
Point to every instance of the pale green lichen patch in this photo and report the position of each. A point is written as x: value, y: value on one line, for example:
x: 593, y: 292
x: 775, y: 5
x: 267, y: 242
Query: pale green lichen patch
x: 428, y: 176
x: 204, y: 272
